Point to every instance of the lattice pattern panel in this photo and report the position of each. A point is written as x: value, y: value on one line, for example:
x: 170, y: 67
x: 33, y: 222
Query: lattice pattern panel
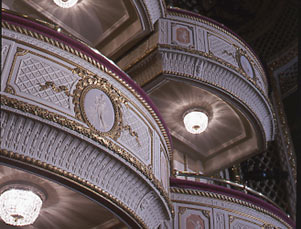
x: 280, y: 36
x: 33, y: 73
x: 266, y: 174
x: 288, y: 80
x: 136, y: 136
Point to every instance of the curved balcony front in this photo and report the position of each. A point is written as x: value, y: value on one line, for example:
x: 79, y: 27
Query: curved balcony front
x: 192, y: 62
x: 201, y: 205
x: 71, y: 112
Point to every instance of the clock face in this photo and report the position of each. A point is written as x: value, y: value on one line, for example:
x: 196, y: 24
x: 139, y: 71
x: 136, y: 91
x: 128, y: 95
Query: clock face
x: 246, y: 66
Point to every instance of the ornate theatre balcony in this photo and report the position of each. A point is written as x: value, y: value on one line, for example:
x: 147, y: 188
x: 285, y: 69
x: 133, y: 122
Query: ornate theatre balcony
x: 215, y: 206
x: 194, y: 63
x: 69, y: 111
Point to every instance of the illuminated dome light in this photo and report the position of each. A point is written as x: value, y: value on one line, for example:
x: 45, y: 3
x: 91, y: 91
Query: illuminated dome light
x: 19, y: 207
x: 195, y: 121
x: 65, y: 3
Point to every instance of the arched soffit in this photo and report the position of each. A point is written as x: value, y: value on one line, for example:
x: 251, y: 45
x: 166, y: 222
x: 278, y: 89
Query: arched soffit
x: 62, y: 82
x: 112, y: 27
x: 232, y: 133
x: 59, y: 209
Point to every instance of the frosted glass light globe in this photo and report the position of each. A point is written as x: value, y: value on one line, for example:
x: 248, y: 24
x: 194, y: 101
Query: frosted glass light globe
x: 19, y: 207
x: 196, y: 122
x: 65, y: 3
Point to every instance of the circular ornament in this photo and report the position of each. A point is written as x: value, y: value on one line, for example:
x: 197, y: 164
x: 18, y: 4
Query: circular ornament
x: 98, y: 109
x: 98, y: 103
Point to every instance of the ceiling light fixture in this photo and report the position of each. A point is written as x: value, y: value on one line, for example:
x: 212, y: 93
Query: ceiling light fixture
x: 195, y: 121
x: 65, y: 3
x: 20, y: 205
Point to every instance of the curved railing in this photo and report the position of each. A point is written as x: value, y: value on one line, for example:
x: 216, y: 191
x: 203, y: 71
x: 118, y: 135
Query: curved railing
x: 225, y: 182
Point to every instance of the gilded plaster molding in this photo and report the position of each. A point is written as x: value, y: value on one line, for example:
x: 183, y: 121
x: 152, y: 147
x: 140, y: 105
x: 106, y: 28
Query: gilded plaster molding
x: 217, y: 196
x: 211, y: 56
x: 94, y: 62
x: 194, y: 18
x: 90, y: 133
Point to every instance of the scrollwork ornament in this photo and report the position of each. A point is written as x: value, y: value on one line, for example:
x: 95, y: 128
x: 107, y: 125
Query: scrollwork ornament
x: 182, y: 210
x: 206, y: 213
x: 245, y: 63
x: 9, y: 89
x: 268, y: 226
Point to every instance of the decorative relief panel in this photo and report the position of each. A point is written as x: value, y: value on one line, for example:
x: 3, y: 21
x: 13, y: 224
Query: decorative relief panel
x: 219, y: 219
x: 164, y: 31
x: 41, y: 77
x: 196, y: 35
x: 136, y: 136
x: 5, y: 47
x: 98, y: 102
x: 69, y: 58
x: 164, y: 170
x: 99, y: 110
x: 201, y: 40
x: 240, y: 223
x: 225, y: 214
x: 182, y: 35
x: 194, y: 221
x: 193, y: 218
x: 34, y: 76
x: 222, y: 49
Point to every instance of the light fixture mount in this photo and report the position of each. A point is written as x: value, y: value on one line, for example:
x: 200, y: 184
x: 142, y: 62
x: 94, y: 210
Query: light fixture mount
x: 65, y: 3
x: 195, y: 120
x: 20, y: 203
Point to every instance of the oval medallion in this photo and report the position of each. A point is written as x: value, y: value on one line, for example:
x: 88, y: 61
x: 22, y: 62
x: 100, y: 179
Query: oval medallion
x: 246, y: 66
x: 99, y: 110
